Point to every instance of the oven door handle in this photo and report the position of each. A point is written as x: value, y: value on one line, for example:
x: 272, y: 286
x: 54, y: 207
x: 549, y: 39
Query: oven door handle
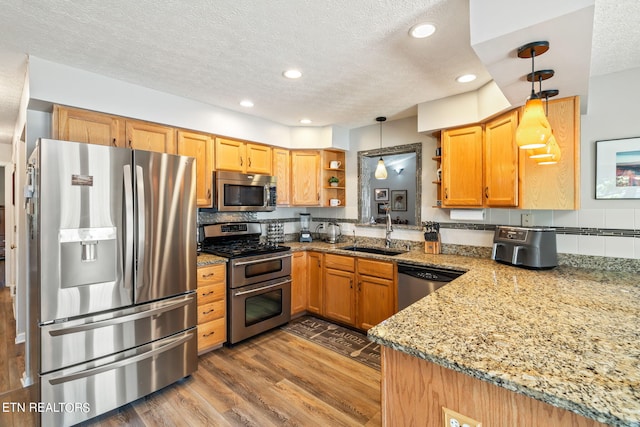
x: 256, y: 261
x: 264, y: 288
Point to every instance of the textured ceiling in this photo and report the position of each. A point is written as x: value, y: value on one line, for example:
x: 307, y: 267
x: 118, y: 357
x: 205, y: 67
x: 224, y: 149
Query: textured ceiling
x: 357, y: 59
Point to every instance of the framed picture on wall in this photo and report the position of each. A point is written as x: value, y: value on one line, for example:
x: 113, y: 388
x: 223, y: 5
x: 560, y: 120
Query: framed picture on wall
x: 382, y: 208
x: 381, y: 194
x: 618, y: 169
x: 398, y: 200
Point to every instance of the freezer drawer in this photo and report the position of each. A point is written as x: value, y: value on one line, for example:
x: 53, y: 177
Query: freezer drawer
x: 76, y: 341
x: 104, y: 384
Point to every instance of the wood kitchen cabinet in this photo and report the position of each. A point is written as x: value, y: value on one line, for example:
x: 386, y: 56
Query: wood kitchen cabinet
x: 305, y: 171
x: 282, y: 172
x: 555, y: 186
x: 199, y: 146
x: 212, y: 289
x: 501, y: 161
x: 339, y: 289
x: 315, y: 282
x: 73, y: 124
x: 150, y: 137
x: 462, y: 160
x: 330, y: 191
x: 298, y: 282
x: 241, y: 156
x: 376, y: 292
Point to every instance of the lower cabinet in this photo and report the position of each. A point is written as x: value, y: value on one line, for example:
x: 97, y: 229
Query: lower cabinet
x: 298, y: 283
x: 314, y: 282
x: 376, y: 292
x: 358, y: 292
x: 212, y: 307
x: 339, y: 291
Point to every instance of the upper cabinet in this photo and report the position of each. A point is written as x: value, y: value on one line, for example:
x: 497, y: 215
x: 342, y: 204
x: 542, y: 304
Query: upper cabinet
x: 305, y: 167
x: 501, y: 161
x: 150, y: 137
x: 482, y: 165
x: 72, y: 124
x: 555, y: 186
x: 199, y: 146
x: 282, y: 172
x: 462, y: 154
x: 240, y: 156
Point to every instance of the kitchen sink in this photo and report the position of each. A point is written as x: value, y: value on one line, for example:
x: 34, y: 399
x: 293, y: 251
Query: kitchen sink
x: 377, y: 251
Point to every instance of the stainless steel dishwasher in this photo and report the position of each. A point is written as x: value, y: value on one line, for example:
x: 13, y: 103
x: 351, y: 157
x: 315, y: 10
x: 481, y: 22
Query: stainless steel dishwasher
x: 416, y: 282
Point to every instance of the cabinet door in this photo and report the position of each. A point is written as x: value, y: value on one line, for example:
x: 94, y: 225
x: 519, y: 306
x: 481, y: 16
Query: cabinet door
x: 305, y: 182
x: 501, y: 161
x: 299, y: 283
x: 555, y: 186
x: 150, y: 137
x: 200, y: 146
x: 258, y: 159
x: 230, y: 155
x: 314, y: 282
x: 462, y: 166
x: 70, y: 124
x: 281, y: 170
x: 376, y: 300
x: 339, y: 296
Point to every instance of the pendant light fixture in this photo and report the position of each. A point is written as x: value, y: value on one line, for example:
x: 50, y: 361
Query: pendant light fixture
x: 381, y: 169
x: 534, y: 129
x: 549, y: 154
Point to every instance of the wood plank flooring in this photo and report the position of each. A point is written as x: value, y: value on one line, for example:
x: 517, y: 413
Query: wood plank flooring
x: 275, y: 379
x: 11, y: 354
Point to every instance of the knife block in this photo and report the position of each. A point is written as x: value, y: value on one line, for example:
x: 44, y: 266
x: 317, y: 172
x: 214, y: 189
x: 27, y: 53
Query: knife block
x: 432, y: 247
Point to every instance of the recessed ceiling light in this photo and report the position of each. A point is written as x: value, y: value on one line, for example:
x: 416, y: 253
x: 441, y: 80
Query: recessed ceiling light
x: 292, y: 74
x: 246, y: 103
x: 466, y: 78
x: 420, y: 31
x: 305, y: 121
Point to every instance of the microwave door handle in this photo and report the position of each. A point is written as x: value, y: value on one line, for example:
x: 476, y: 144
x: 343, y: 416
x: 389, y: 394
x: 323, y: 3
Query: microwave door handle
x: 128, y: 238
x: 141, y: 223
x: 266, y: 195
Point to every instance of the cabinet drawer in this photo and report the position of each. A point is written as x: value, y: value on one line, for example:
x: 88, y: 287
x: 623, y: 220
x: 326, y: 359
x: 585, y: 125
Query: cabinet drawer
x: 339, y: 262
x: 212, y: 274
x: 211, y: 293
x: 211, y: 334
x: 373, y: 268
x: 211, y: 311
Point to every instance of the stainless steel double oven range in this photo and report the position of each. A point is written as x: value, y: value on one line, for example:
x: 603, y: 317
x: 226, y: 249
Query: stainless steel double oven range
x: 258, y: 278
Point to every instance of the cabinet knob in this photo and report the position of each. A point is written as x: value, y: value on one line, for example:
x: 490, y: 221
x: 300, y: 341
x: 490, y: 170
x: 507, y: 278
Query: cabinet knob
x: 486, y: 192
x: 240, y: 160
x: 209, y: 194
x: 114, y: 142
x: 249, y: 164
x: 446, y: 193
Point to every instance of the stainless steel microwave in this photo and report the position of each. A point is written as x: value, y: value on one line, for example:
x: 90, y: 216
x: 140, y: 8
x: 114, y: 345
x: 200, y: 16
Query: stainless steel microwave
x: 240, y: 192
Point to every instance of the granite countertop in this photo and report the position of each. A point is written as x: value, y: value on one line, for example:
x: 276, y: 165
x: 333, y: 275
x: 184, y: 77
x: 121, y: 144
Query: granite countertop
x: 567, y: 336
x: 207, y: 259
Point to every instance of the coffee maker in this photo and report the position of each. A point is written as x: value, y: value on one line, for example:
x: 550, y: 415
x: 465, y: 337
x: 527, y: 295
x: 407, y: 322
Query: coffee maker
x: 305, y: 223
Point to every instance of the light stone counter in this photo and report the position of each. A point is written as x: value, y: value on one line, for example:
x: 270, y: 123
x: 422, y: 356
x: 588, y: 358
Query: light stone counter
x: 567, y: 336
x: 206, y: 259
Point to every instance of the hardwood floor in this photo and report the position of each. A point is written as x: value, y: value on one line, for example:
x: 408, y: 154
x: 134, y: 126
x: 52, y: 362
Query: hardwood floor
x: 11, y: 354
x: 275, y: 379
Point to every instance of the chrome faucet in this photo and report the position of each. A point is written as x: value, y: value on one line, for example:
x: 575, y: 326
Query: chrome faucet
x: 389, y: 229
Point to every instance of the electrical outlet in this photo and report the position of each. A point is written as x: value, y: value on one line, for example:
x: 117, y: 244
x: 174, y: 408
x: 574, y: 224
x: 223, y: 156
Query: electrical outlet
x: 527, y: 220
x: 454, y: 419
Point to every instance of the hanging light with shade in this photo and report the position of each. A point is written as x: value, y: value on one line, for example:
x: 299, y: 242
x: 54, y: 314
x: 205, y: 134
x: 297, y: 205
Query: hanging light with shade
x: 381, y: 169
x: 549, y: 154
x: 534, y: 129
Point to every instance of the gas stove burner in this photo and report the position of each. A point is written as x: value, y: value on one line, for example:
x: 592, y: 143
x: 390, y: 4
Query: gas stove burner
x: 234, y: 240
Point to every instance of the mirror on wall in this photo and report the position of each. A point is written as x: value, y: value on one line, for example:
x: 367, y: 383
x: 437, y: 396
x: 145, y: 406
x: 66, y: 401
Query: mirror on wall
x: 401, y: 191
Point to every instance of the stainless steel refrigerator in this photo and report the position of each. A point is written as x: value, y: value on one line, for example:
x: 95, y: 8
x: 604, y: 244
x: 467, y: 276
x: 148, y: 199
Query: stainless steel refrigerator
x: 112, y: 276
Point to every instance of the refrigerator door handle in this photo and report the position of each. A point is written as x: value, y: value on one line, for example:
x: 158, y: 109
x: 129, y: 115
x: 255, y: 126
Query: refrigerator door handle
x: 128, y: 361
x: 155, y: 312
x: 141, y: 223
x: 128, y: 239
